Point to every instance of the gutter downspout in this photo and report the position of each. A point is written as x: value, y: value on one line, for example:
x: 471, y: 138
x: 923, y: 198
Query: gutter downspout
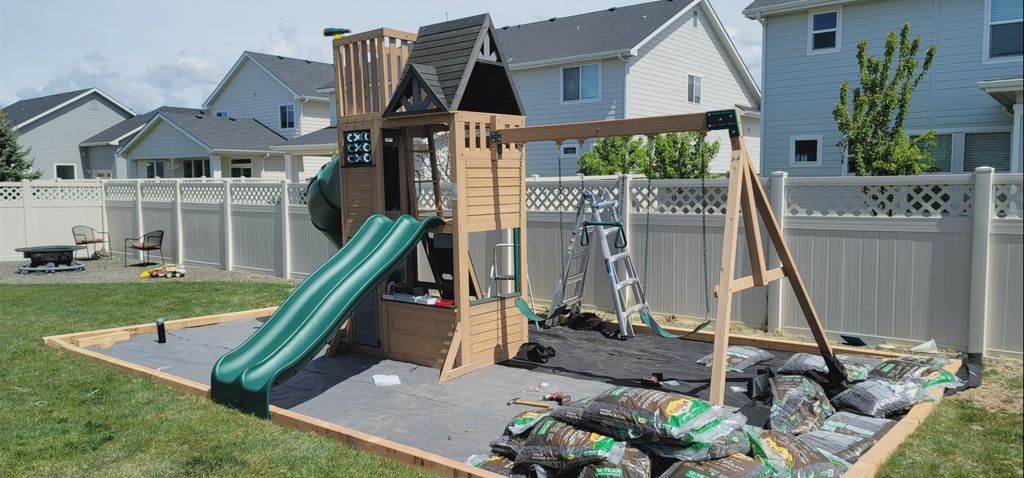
x: 625, y: 85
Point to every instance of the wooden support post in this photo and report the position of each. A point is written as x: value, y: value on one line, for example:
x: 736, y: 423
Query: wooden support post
x: 752, y: 230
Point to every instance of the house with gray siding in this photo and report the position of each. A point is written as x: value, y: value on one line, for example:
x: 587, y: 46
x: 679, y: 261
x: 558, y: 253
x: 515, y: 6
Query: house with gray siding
x: 102, y: 147
x: 656, y: 58
x: 53, y: 127
x: 971, y: 96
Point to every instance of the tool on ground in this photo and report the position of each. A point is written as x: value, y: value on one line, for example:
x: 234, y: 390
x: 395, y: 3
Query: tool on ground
x: 529, y: 403
x: 559, y: 397
x: 653, y: 380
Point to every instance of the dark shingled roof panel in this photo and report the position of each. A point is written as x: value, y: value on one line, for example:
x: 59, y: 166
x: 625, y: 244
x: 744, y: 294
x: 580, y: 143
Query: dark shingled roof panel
x: 429, y: 76
x: 242, y: 134
x: 303, y: 76
x: 760, y: 4
x: 25, y: 110
x: 608, y: 30
x: 448, y: 48
x: 327, y: 135
x: 120, y: 129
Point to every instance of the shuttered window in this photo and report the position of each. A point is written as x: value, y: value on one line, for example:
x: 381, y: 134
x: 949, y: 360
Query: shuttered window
x: 987, y: 149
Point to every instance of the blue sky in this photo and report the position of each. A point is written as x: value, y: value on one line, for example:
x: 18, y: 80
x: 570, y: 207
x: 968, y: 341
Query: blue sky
x: 148, y: 54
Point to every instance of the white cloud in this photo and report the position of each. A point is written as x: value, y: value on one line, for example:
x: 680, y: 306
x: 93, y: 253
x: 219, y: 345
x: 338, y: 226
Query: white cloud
x: 184, y: 82
x: 284, y: 41
x: 748, y: 43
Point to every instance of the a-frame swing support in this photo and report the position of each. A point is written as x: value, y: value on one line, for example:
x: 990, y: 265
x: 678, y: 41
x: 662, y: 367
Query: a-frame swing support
x: 746, y: 195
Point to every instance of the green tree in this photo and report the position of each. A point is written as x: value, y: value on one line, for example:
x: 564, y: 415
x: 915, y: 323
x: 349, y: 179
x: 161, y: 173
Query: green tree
x: 15, y: 165
x: 872, y: 123
x: 673, y: 156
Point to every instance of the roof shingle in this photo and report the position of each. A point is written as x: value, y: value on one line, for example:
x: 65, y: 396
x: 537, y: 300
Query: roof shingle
x: 231, y: 134
x: 303, y: 76
x: 115, y: 132
x: 24, y: 110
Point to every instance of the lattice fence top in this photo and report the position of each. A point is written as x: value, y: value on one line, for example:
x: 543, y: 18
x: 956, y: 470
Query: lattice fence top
x: 202, y: 193
x: 158, y: 191
x: 910, y: 200
x: 255, y: 194
x: 549, y: 197
x: 119, y: 191
x: 1008, y: 201
x: 10, y: 194
x: 425, y: 196
x: 64, y: 193
x: 297, y: 194
x: 678, y: 199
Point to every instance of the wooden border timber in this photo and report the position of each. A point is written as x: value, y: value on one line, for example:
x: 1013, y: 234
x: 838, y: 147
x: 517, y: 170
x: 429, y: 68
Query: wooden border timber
x: 382, y: 447
x: 866, y: 466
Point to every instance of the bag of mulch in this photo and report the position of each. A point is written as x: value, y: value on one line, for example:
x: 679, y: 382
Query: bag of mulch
x: 507, y: 446
x: 937, y: 362
x: 733, y: 466
x: 730, y: 444
x: 926, y: 375
x: 880, y: 398
x: 522, y: 422
x: 845, y: 447
x: 858, y: 425
x: 573, y: 414
x: 634, y: 464
x: 784, y: 455
x: 799, y: 406
x: 857, y: 366
x: 553, y: 444
x: 496, y: 464
x: 657, y: 414
x: 739, y: 357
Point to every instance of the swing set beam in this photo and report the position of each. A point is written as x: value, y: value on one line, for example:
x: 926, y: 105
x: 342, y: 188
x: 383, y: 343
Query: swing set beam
x: 746, y: 201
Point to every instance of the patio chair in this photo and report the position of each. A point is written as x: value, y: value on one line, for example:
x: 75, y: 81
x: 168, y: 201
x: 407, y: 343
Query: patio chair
x: 86, y: 235
x: 150, y: 241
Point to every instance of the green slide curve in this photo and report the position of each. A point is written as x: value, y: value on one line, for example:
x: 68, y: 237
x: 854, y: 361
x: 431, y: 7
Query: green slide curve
x: 323, y: 199
x: 313, y: 312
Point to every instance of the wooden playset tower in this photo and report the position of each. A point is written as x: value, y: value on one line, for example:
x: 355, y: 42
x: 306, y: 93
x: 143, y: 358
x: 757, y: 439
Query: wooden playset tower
x: 415, y: 113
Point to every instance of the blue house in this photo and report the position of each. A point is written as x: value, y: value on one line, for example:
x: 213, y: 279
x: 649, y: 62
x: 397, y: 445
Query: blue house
x: 971, y: 96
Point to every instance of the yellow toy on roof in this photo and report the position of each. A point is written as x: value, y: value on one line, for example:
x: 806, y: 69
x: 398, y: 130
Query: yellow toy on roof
x: 166, y: 270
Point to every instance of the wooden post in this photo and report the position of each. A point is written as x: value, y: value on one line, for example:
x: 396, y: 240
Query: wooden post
x: 460, y: 247
x: 286, y: 232
x: 980, y: 234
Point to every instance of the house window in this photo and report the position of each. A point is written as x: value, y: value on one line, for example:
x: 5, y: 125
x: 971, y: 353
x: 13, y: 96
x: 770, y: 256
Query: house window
x: 987, y: 149
x: 1004, y: 32
x: 805, y: 150
x: 195, y: 168
x: 823, y: 32
x: 287, y: 116
x: 241, y: 168
x: 693, y: 89
x: 569, y: 152
x: 155, y: 169
x: 942, y: 153
x: 64, y: 171
x: 222, y: 114
x: 581, y: 82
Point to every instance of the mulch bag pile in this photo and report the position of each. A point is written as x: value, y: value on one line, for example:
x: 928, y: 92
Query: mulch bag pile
x: 917, y: 370
x: 785, y: 455
x: 557, y: 445
x: 799, y: 406
x: 857, y: 366
x: 845, y: 447
x: 736, y: 442
x: 497, y: 464
x: 858, y: 425
x: 733, y: 466
x: 740, y: 357
x: 880, y: 398
x: 634, y: 464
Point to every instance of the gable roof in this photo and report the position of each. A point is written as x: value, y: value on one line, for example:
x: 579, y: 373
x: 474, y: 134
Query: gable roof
x: 216, y: 134
x: 124, y: 130
x: 759, y: 8
x: 325, y: 136
x: 24, y: 112
x: 301, y: 77
x: 617, y: 30
x: 448, y: 55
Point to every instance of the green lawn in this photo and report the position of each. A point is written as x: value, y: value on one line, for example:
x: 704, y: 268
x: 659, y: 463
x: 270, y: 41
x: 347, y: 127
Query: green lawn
x: 61, y: 415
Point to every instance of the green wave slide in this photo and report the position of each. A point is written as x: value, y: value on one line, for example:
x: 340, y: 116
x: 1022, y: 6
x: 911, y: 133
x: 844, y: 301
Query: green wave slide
x: 309, y: 317
x: 323, y: 197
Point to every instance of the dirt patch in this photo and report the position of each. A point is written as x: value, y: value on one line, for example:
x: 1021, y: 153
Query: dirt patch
x: 1000, y: 389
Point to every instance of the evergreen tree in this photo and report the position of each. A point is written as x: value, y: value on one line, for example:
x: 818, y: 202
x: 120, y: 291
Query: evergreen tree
x: 15, y: 165
x: 873, y: 135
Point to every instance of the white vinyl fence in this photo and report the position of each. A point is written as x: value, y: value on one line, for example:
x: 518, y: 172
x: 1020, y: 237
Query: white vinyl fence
x: 901, y: 258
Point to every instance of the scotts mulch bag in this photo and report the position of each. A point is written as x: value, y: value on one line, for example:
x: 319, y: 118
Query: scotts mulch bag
x: 799, y: 406
x: 858, y: 425
x: 558, y: 445
x: 857, y: 366
x: 507, y: 446
x: 573, y: 414
x: 496, y: 464
x: 522, y: 422
x: 880, y: 398
x: 845, y: 447
x: 739, y: 357
x: 730, y: 444
x: 784, y: 455
x: 634, y: 464
x: 733, y: 466
x: 926, y: 375
x: 657, y: 414
x: 937, y: 362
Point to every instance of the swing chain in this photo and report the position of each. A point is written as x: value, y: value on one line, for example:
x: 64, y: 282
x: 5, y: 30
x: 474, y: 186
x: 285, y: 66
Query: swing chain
x: 704, y: 223
x: 647, y: 216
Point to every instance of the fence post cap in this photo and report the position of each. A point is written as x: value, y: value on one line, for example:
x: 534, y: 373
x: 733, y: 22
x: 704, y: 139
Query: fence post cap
x: 779, y: 174
x: 984, y: 170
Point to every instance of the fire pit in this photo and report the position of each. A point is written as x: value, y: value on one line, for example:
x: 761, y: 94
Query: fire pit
x: 50, y: 259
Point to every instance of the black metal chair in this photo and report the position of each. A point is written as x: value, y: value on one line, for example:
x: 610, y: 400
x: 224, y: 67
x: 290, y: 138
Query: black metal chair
x: 150, y: 241
x: 86, y: 235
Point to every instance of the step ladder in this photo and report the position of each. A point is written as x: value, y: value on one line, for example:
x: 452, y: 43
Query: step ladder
x: 568, y: 294
x: 495, y: 275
